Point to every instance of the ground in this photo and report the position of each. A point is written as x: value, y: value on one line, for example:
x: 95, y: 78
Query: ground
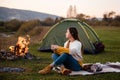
x: 110, y: 37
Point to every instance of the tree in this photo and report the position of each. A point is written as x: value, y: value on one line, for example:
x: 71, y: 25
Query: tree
x: 117, y: 18
x: 111, y: 14
x: 116, y: 21
x: 81, y: 16
x: 48, y: 22
x: 1, y: 23
x: 13, y: 25
x: 105, y: 17
x: 108, y: 16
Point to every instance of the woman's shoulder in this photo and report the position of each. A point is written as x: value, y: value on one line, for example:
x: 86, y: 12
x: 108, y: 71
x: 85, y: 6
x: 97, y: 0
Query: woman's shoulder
x: 77, y: 42
x: 66, y: 43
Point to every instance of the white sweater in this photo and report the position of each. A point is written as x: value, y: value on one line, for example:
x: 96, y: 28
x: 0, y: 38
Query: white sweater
x: 75, y: 49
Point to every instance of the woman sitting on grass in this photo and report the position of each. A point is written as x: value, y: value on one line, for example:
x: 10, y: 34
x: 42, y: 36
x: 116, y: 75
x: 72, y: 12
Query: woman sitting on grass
x: 69, y: 57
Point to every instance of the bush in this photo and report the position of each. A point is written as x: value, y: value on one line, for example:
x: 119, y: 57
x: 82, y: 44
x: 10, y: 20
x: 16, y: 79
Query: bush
x: 36, y: 31
x: 2, y: 29
x: 115, y: 23
x: 48, y: 22
x: 12, y: 25
x: 28, y: 26
x: 1, y: 23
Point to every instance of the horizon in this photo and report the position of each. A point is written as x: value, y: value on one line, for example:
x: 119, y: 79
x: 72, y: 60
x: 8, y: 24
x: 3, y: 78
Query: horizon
x: 92, y: 8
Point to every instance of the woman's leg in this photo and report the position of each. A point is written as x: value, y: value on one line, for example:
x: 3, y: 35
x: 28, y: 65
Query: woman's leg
x: 48, y: 68
x: 68, y: 61
x: 72, y: 64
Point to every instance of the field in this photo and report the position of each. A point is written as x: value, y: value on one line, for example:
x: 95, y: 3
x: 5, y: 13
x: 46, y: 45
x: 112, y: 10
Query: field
x: 110, y: 37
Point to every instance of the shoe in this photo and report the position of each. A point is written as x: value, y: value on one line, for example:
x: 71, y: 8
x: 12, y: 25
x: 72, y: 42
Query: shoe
x: 65, y: 71
x: 46, y: 70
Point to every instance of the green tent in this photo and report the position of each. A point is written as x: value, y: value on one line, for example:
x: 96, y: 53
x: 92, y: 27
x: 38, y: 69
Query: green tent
x: 88, y: 37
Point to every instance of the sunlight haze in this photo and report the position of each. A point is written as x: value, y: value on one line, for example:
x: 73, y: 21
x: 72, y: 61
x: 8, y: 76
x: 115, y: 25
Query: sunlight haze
x: 59, y: 7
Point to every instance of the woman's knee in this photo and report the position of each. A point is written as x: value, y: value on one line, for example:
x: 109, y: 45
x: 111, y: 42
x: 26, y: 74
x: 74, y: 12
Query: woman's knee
x: 65, y: 54
x: 55, y: 56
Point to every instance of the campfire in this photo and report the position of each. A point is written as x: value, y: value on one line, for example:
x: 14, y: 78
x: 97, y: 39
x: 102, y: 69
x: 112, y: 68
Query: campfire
x: 19, y: 50
x: 21, y: 47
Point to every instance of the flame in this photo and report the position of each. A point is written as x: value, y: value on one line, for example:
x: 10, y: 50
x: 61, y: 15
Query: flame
x: 21, y: 47
x: 12, y: 48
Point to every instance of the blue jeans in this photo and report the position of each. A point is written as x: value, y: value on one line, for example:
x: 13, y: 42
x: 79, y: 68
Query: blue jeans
x: 67, y: 60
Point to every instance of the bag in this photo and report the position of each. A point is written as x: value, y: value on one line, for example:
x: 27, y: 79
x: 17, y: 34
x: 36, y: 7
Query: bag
x: 99, y: 47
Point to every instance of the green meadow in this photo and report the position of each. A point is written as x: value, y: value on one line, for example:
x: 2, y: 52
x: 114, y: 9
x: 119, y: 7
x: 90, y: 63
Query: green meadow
x: 110, y: 36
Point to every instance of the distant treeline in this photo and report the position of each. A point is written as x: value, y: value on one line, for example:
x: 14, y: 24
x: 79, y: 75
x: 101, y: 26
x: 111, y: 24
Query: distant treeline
x: 109, y: 19
x: 15, y: 25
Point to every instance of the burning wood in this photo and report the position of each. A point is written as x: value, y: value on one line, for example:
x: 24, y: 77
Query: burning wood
x: 20, y: 50
x: 21, y: 47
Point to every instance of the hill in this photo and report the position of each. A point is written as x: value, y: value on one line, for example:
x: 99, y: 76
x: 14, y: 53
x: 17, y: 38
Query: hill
x: 9, y: 13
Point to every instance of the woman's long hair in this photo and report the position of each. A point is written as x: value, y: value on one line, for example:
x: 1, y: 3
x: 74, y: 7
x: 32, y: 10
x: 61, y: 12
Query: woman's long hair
x: 73, y: 31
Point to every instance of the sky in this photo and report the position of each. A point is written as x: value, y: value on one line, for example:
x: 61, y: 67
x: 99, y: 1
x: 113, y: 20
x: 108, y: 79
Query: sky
x: 94, y: 8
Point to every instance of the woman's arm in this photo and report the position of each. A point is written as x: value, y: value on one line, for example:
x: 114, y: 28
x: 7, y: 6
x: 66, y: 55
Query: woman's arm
x: 59, y: 50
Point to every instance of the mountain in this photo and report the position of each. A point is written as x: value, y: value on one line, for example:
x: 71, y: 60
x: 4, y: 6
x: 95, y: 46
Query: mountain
x: 8, y: 14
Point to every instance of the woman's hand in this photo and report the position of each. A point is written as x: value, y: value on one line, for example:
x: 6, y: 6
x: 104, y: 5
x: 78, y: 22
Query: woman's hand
x: 54, y: 47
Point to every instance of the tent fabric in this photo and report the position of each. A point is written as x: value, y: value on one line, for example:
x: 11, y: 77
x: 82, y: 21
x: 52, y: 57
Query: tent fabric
x: 56, y: 35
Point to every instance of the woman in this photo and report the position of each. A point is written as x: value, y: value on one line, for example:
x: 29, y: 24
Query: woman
x: 68, y: 57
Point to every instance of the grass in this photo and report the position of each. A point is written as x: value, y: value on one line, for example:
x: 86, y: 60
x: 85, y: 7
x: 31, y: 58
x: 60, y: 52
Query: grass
x: 110, y: 37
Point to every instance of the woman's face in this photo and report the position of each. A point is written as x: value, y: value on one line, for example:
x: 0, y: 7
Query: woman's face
x: 68, y: 35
